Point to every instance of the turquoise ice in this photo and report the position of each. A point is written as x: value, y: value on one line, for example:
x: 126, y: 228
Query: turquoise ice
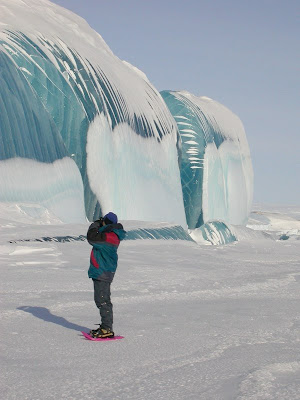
x: 65, y: 96
x: 83, y: 133
x: 216, y: 169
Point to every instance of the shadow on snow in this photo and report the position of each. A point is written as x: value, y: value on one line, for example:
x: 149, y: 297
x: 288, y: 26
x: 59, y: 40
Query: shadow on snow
x: 44, y: 314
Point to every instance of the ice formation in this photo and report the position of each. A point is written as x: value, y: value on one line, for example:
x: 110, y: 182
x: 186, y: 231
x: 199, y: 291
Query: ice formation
x: 39, y: 187
x: 213, y: 232
x: 65, y: 96
x: 216, y: 168
x: 135, y: 230
x: 83, y: 133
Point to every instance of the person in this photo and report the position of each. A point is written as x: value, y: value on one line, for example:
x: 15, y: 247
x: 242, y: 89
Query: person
x: 104, y: 235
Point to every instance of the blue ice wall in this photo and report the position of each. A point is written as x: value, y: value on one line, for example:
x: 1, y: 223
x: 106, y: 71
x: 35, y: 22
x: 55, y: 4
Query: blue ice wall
x: 216, y: 171
x: 67, y: 100
x: 50, y: 95
x: 190, y: 122
x: 26, y: 128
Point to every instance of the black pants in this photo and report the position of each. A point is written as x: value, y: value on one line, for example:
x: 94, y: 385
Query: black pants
x: 102, y: 300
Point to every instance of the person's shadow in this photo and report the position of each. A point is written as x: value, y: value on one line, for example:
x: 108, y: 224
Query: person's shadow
x: 44, y: 314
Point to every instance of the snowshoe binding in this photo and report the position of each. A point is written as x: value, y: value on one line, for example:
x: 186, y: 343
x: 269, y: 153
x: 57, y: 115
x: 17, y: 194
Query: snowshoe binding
x: 102, y: 333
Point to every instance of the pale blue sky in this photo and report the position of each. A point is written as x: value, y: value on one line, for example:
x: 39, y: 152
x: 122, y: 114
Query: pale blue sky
x: 244, y: 54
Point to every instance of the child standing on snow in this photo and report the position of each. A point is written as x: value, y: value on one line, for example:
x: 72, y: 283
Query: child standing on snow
x: 104, y: 235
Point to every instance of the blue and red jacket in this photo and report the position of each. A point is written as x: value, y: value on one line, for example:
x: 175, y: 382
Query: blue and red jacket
x: 104, y: 257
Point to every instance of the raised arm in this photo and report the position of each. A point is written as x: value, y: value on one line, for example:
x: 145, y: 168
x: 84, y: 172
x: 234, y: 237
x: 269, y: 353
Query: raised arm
x: 93, y: 236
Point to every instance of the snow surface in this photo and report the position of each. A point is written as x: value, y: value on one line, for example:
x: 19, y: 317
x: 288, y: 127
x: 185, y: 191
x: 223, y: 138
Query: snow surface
x: 200, y: 322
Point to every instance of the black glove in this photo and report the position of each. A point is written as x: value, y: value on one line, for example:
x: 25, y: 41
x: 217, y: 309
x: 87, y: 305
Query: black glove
x: 100, y: 221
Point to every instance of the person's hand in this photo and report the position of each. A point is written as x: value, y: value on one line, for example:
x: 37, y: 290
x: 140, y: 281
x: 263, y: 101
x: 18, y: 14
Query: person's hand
x: 100, y: 221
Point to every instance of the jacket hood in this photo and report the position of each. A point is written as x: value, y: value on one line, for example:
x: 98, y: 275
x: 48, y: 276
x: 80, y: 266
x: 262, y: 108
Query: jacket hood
x: 116, y: 228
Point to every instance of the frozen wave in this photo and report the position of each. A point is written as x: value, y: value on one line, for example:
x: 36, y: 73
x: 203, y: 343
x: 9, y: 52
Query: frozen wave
x: 61, y: 73
x: 216, y: 169
x: 65, y: 95
x: 133, y: 176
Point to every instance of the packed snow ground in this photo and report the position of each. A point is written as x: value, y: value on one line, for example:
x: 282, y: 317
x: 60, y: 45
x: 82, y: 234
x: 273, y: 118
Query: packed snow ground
x: 200, y: 322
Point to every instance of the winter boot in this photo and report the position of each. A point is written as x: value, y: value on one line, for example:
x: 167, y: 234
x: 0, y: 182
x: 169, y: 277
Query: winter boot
x: 102, y: 333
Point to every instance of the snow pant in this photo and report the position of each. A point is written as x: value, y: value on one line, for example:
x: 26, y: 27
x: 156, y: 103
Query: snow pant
x: 102, y: 300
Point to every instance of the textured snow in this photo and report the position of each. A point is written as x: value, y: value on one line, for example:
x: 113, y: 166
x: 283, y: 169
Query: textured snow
x: 200, y: 322
x: 270, y: 221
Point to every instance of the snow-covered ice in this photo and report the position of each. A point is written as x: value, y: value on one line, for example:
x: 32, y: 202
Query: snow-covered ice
x: 96, y: 133
x: 200, y: 322
x: 216, y: 168
x: 67, y: 100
